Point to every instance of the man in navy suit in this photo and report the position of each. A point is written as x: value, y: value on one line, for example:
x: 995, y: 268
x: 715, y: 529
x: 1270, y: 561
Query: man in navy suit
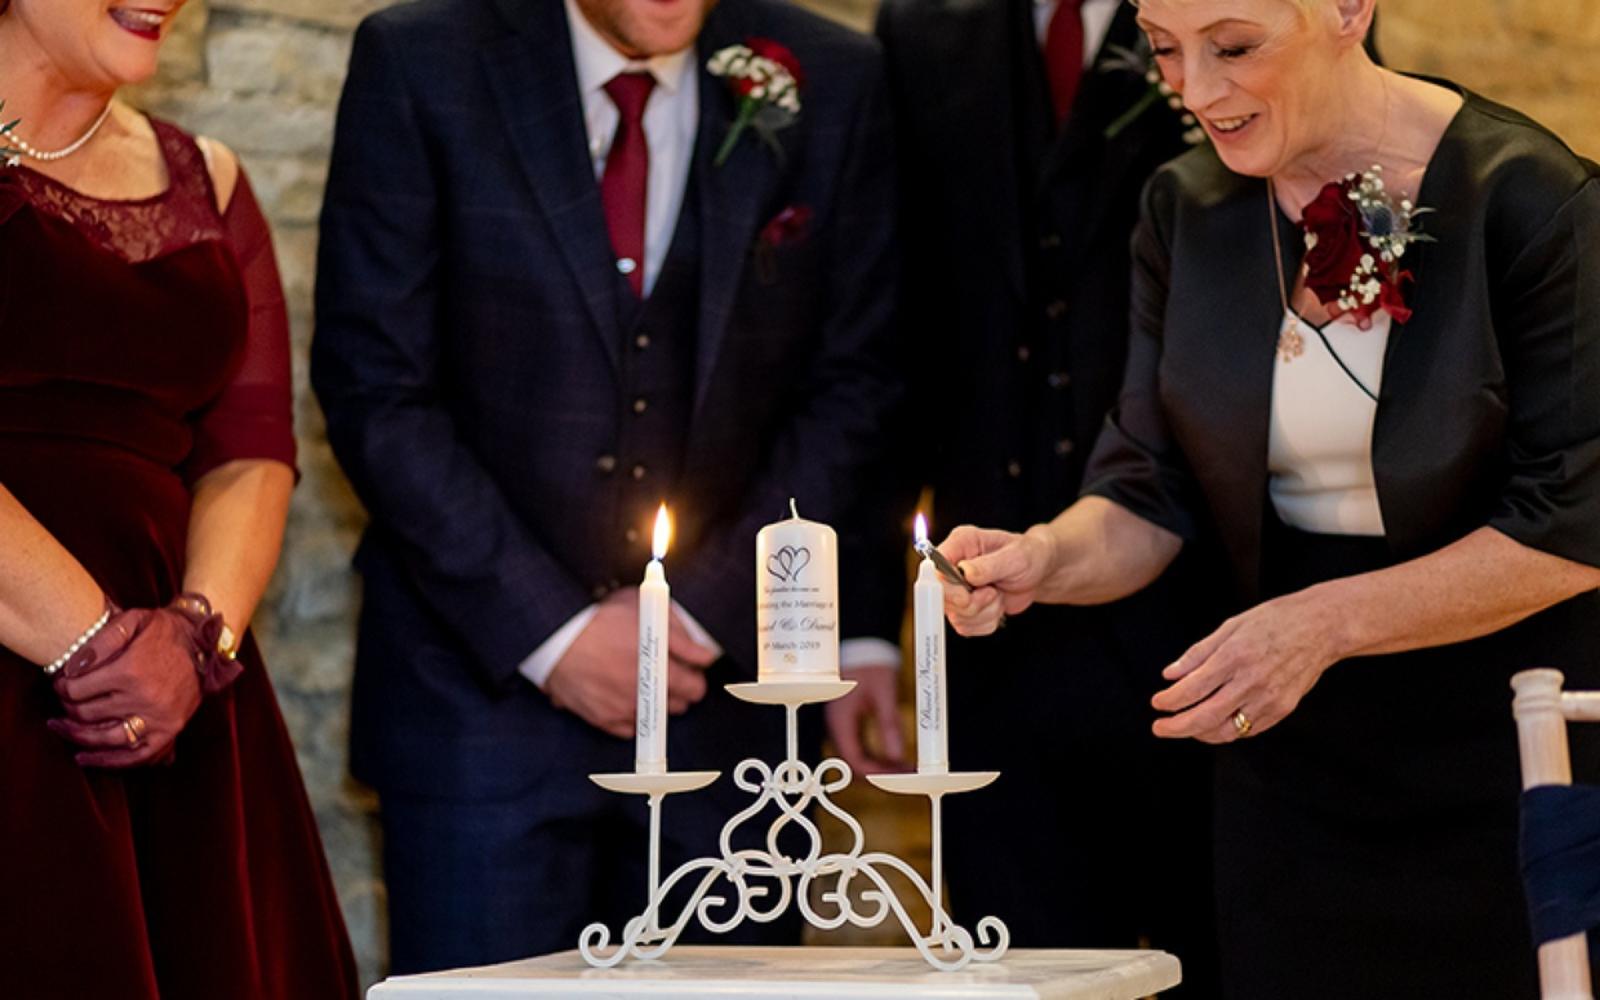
x: 545, y: 305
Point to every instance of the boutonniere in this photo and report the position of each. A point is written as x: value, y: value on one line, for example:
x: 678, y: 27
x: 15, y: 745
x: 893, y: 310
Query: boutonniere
x: 1142, y: 62
x: 765, y: 78
x: 1356, y: 234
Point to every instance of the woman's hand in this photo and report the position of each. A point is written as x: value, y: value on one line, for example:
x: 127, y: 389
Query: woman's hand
x: 153, y: 679
x: 1005, y: 570
x: 1260, y: 663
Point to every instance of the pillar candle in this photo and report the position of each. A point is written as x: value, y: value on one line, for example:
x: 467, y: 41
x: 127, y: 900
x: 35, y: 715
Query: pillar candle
x: 797, y: 600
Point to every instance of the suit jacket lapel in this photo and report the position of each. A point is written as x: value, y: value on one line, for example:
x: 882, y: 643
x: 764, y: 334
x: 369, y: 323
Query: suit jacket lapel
x: 1104, y: 94
x: 731, y: 197
x: 535, y: 85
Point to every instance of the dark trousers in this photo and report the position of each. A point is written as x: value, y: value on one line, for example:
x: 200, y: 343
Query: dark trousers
x: 1096, y: 835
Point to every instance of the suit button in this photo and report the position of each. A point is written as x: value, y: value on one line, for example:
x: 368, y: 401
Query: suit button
x: 642, y: 341
x: 638, y: 472
x: 1014, y: 469
x: 599, y: 592
x: 1058, y: 380
x: 1064, y: 447
x: 1055, y: 309
x: 1050, y: 241
x: 1023, y: 354
x: 639, y: 405
x: 606, y: 463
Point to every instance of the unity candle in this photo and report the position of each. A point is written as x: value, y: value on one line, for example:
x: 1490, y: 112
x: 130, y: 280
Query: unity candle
x: 655, y: 604
x: 928, y: 615
x: 797, y: 601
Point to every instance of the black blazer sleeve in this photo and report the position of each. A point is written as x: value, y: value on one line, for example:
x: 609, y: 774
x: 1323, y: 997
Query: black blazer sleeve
x: 1547, y: 317
x: 376, y: 368
x: 1136, y: 463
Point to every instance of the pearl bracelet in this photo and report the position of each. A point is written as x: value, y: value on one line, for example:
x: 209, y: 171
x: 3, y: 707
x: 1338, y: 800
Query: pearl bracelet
x: 78, y: 643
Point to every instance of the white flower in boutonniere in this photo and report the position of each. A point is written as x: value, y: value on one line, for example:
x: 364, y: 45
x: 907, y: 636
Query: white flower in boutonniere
x: 1142, y: 62
x: 765, y: 78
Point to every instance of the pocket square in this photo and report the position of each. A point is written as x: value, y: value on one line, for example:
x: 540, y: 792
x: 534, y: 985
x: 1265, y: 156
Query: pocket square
x: 791, y: 225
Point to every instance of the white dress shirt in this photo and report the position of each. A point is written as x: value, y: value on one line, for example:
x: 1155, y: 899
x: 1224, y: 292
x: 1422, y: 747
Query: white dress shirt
x: 1097, y: 17
x: 1319, y: 443
x: 671, y: 121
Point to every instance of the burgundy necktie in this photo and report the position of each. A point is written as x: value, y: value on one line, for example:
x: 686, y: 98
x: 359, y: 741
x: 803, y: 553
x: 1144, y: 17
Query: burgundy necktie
x: 627, y: 175
x: 1063, y: 56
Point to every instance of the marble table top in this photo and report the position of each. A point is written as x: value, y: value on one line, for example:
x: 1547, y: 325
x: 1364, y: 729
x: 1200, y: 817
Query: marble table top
x: 727, y: 972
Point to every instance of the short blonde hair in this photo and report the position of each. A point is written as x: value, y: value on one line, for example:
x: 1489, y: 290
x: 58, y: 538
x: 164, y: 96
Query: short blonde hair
x: 1306, y: 6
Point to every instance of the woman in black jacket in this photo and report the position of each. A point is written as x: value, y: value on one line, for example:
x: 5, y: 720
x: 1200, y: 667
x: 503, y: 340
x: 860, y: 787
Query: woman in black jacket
x: 1394, y: 441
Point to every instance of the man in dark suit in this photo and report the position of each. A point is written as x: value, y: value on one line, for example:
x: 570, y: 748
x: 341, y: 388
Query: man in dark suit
x: 544, y: 307
x: 1017, y: 208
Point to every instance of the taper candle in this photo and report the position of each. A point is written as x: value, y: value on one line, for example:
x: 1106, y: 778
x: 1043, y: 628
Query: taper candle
x: 655, y: 605
x: 928, y: 615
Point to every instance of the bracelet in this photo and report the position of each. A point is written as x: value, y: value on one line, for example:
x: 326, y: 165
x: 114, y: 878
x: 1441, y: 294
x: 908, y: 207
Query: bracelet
x: 55, y: 665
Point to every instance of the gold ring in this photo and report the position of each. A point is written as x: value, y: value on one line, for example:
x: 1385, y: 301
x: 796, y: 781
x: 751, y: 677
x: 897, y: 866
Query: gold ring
x: 134, y: 727
x: 1241, y: 723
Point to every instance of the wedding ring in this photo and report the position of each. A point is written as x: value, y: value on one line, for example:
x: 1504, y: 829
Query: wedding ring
x: 1241, y: 723
x: 134, y: 727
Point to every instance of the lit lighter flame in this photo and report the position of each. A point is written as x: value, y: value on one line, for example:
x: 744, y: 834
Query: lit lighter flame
x: 663, y: 535
x: 921, y: 530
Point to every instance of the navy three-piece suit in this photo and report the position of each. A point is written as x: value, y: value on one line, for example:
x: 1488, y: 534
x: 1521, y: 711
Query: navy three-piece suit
x: 478, y: 354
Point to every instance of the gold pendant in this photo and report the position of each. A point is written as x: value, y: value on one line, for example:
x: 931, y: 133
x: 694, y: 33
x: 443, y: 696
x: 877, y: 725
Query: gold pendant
x: 1290, y: 344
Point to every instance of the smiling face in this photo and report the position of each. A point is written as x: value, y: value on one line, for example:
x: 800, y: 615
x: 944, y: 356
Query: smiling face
x: 97, y: 44
x: 643, y: 28
x: 1262, y: 76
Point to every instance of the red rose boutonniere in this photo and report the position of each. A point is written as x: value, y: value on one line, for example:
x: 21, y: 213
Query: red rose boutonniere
x: 1355, y: 236
x: 765, y: 78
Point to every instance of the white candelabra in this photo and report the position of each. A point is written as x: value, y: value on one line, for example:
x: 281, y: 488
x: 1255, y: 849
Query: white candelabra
x: 760, y: 884
x: 798, y: 664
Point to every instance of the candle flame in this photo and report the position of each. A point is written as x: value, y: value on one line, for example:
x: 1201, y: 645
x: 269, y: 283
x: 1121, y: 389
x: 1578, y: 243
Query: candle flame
x: 663, y: 534
x: 921, y: 530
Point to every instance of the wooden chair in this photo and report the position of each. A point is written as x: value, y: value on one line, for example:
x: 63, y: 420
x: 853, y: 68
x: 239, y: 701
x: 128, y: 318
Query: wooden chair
x: 1542, y: 711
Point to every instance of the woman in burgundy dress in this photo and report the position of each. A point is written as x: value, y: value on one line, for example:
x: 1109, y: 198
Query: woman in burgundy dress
x: 156, y: 840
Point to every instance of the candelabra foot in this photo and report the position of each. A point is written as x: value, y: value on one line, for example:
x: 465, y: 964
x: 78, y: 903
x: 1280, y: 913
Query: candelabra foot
x: 633, y: 783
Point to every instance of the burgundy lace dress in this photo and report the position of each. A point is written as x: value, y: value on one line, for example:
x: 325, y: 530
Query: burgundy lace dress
x: 142, y: 344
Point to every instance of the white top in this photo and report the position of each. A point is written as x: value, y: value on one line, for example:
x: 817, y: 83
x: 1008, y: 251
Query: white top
x: 671, y: 118
x: 1097, y: 16
x: 1319, y: 446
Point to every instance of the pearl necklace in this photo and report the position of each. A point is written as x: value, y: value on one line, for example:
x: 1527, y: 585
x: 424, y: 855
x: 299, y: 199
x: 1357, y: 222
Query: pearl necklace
x: 22, y: 146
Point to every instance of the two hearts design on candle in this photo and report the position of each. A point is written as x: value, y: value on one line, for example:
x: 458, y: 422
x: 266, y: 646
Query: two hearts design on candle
x: 787, y: 562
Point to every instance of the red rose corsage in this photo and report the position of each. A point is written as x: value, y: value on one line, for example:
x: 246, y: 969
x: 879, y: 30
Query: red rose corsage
x: 1356, y: 234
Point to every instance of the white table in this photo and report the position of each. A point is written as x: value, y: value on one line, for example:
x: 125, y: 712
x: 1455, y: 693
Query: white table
x: 726, y: 972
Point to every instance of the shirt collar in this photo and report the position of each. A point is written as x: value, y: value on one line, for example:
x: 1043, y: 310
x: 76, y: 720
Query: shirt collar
x: 597, y: 62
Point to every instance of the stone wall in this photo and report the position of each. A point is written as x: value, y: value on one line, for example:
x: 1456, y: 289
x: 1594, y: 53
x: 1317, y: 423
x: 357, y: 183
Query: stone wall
x: 263, y: 76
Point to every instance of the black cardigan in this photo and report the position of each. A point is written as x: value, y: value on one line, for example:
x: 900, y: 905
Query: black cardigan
x: 1489, y: 412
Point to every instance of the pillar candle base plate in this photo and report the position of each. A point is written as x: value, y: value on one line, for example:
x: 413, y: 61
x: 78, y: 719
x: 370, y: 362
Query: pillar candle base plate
x: 950, y: 783
x: 633, y: 783
x: 787, y: 692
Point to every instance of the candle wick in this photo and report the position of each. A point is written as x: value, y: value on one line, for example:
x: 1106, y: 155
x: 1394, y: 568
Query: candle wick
x: 795, y: 511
